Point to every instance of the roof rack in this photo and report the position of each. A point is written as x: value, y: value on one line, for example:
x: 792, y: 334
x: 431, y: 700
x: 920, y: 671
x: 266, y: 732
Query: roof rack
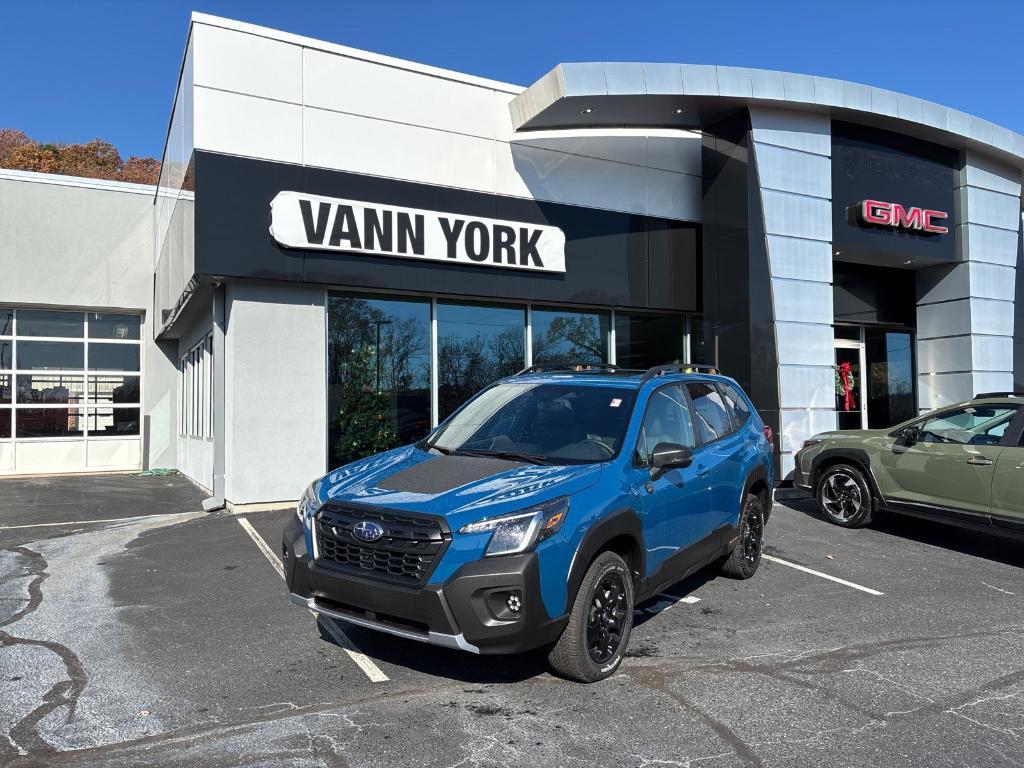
x: 983, y: 395
x: 660, y: 370
x: 572, y: 367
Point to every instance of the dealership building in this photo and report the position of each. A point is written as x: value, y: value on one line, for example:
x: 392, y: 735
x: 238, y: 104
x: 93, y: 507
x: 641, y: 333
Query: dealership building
x: 344, y: 246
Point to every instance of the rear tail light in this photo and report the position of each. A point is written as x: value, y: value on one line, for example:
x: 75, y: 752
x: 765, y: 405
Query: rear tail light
x: 769, y: 435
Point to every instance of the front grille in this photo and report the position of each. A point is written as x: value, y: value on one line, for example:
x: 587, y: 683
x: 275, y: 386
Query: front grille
x: 406, y: 554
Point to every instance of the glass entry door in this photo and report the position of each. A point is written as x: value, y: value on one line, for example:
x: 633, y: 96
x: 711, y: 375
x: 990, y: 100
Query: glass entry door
x: 849, y: 377
x: 874, y: 377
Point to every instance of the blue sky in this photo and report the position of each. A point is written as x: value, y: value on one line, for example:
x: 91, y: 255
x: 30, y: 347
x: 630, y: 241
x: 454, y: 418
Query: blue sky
x: 77, y: 70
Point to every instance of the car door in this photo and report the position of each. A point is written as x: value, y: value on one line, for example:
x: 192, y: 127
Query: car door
x: 718, y: 458
x: 952, y: 465
x: 673, y: 506
x: 1008, y: 481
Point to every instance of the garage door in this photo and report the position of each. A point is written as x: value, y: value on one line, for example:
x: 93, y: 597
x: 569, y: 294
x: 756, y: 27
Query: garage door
x: 70, y: 389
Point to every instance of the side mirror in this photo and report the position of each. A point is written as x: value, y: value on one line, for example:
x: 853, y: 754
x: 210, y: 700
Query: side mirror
x: 668, y: 456
x: 911, y: 435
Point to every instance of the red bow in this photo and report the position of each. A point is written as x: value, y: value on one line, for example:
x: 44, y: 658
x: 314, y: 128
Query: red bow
x: 844, y: 373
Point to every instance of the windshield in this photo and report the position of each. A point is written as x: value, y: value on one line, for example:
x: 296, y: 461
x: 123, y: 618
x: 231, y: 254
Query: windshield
x: 543, y: 423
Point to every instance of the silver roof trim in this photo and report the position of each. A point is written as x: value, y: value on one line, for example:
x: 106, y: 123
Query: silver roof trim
x: 643, y: 94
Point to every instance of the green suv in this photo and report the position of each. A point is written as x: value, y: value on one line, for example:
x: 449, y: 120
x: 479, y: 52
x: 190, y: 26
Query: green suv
x: 962, y: 464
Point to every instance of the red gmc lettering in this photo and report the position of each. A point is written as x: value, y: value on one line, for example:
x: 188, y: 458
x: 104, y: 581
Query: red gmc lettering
x: 931, y: 226
x: 883, y: 214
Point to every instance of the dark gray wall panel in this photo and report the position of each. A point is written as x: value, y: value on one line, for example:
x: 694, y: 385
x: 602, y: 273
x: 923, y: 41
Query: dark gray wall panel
x: 612, y: 258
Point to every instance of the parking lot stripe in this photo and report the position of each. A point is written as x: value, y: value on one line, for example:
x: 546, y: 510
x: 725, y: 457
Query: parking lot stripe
x: 687, y: 599
x: 264, y: 547
x: 837, y: 580
x: 363, y: 661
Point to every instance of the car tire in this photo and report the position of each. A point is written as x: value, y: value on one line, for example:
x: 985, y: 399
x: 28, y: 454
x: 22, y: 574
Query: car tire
x: 742, y: 562
x: 593, y: 643
x: 844, y: 496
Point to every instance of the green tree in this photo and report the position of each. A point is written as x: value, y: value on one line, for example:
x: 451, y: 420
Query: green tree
x: 364, y: 414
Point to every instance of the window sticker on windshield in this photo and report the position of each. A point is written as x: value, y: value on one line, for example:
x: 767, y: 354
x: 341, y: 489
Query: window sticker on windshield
x: 616, y: 402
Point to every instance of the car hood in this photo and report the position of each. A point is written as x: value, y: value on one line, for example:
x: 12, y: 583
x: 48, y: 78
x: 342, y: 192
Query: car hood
x: 461, y: 488
x: 851, y: 434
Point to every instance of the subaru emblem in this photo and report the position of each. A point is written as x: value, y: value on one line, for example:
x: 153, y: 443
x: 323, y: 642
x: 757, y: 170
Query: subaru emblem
x: 365, y: 530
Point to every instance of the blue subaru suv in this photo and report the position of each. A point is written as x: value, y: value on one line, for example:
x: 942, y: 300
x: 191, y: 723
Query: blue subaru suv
x: 539, y: 513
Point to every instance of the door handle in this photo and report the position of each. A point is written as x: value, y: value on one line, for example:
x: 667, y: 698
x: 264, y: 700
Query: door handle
x: 980, y: 461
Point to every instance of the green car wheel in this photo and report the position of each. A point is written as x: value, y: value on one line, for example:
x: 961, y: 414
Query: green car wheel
x: 844, y: 497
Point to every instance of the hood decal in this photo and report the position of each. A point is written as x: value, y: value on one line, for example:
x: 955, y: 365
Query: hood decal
x: 444, y: 473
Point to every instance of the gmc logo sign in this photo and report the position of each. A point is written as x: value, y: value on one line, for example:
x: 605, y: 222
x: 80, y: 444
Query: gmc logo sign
x: 893, y: 215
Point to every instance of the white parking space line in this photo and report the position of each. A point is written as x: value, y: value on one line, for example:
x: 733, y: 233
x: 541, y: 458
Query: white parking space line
x: 837, y: 580
x: 691, y: 599
x: 264, y: 547
x: 363, y: 661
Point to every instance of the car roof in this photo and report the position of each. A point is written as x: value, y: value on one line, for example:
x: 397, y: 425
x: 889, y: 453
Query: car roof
x: 621, y: 378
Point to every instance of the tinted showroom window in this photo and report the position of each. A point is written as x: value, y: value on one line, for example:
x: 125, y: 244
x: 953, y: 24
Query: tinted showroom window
x: 565, y: 336
x: 378, y: 374
x: 477, y: 344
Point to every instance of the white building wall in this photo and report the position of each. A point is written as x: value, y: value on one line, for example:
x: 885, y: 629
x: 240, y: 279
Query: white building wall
x: 79, y: 243
x: 275, y: 399
x: 268, y: 95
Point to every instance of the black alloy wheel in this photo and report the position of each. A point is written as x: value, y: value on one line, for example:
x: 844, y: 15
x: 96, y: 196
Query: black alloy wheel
x: 596, y: 635
x: 607, y: 617
x: 745, y: 557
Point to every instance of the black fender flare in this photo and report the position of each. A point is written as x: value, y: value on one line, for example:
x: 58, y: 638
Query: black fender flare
x: 756, y: 474
x: 856, y: 456
x: 623, y: 522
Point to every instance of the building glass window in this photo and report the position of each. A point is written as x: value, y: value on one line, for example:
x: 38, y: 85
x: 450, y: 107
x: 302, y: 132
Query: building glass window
x: 110, y: 390
x: 195, y: 371
x: 49, y: 383
x: 890, y: 382
x: 50, y: 422
x: 121, y: 327
x: 378, y: 374
x: 50, y: 388
x: 114, y: 357
x: 646, y: 340
x: 568, y: 336
x: 476, y: 345
x: 50, y: 356
x: 119, y: 422
x: 49, y: 322
x: 702, y: 350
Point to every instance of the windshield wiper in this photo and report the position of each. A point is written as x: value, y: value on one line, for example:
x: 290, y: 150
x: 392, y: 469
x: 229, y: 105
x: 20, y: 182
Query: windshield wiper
x: 434, y: 446
x: 530, y: 457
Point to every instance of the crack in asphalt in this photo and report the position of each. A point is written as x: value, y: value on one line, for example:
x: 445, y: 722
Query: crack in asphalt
x: 22, y: 739
x: 658, y: 681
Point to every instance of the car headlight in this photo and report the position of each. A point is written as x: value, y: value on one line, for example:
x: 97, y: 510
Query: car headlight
x: 517, y: 532
x: 811, y: 441
x: 309, y: 502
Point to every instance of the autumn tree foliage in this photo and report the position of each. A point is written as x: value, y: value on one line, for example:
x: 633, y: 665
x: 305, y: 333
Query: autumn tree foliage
x: 96, y: 159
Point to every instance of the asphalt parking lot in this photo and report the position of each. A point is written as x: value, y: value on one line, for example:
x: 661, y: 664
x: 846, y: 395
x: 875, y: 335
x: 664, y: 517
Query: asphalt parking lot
x: 136, y: 630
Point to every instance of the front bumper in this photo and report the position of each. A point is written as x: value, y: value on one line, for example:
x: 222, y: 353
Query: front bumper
x: 800, y: 480
x: 467, y: 612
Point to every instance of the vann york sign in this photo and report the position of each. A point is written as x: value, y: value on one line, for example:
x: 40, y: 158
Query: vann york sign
x: 299, y: 220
